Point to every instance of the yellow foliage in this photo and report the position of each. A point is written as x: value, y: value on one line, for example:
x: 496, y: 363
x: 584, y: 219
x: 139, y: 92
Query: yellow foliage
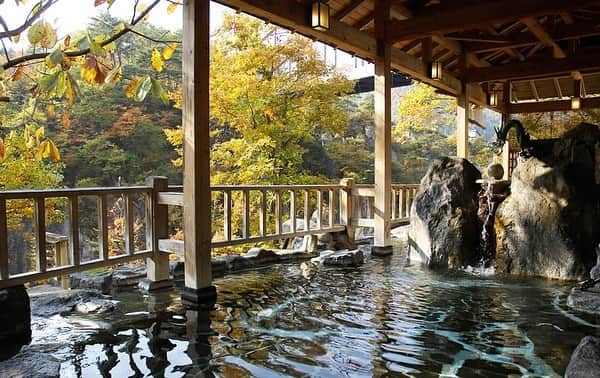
x: 169, y: 50
x: 171, y: 8
x: 157, y: 61
x: 132, y: 87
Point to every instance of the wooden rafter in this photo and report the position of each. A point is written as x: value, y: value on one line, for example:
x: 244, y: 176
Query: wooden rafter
x: 557, y: 87
x: 461, y: 15
x: 348, y: 9
x: 534, y: 90
x: 540, y: 33
x: 552, y: 106
x: 532, y: 68
x: 518, y: 40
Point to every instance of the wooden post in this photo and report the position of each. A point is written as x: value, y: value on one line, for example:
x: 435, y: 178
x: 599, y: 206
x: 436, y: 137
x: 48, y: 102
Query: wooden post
x: 157, y: 266
x: 4, y: 272
x: 347, y: 207
x: 40, y: 237
x: 462, y: 117
x: 383, y: 132
x: 62, y: 255
x: 196, y: 146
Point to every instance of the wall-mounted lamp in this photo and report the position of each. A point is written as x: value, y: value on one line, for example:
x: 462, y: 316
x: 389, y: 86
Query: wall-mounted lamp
x: 436, y: 70
x: 576, y: 103
x: 320, y: 16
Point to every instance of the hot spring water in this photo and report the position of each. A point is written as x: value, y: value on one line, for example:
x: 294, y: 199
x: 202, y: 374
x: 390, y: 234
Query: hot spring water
x: 379, y: 319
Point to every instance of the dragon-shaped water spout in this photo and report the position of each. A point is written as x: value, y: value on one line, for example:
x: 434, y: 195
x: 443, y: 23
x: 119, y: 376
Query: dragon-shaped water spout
x: 522, y: 137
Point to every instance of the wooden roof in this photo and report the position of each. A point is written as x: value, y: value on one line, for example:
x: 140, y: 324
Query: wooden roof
x: 543, y: 50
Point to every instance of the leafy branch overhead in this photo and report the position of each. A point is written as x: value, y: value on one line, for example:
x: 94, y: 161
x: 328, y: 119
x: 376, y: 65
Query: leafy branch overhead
x: 57, y: 66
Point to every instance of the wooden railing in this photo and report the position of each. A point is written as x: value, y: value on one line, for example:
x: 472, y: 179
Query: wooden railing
x: 241, y: 215
x: 59, y: 267
x: 364, y: 198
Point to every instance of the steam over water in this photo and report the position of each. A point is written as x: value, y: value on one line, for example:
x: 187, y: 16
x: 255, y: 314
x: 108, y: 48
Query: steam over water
x: 378, y: 320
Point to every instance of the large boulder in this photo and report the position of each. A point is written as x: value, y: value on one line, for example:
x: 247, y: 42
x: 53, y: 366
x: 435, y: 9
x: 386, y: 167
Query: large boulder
x: 30, y: 363
x: 15, y: 318
x: 548, y: 226
x: 444, y: 228
x: 585, y: 361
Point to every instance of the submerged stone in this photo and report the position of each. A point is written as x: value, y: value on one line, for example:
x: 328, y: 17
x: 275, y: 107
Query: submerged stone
x: 344, y: 258
x: 585, y: 361
x: 444, y: 229
x: 48, y: 301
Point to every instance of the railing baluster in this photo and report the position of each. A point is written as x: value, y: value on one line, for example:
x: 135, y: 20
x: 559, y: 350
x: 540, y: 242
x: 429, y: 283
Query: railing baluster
x: 407, y: 202
x: 227, y: 215
x: 306, y: 210
x: 263, y: 213
x: 393, y: 204
x: 103, y: 226
x: 40, y: 230
x: 319, y: 209
x: 129, y: 220
x: 278, y: 212
x: 4, y: 275
x: 246, y: 220
x: 74, y: 231
x: 293, y: 210
x: 401, y: 202
x: 331, y: 208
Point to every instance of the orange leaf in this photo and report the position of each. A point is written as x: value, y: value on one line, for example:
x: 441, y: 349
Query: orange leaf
x: 67, y: 41
x: 18, y: 74
x: 2, y: 151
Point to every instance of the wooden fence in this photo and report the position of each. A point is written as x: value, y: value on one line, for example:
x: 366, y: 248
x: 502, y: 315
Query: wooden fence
x: 276, y: 211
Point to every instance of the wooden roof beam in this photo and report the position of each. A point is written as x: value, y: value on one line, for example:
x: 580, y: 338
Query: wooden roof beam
x: 557, y: 88
x: 456, y: 47
x: 538, y: 30
x: 568, y: 31
x: 348, y: 9
x: 460, y: 15
x: 535, y: 68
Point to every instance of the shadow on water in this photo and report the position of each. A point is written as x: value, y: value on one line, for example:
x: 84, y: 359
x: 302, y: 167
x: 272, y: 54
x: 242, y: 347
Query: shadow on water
x: 382, y: 319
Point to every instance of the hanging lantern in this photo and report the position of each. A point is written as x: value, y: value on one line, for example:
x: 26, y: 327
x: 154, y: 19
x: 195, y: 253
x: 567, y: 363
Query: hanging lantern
x: 576, y: 103
x: 436, y: 70
x: 494, y: 98
x: 320, y: 16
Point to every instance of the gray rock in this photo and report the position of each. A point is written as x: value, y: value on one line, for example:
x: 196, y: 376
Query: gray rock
x: 444, y: 228
x: 126, y: 276
x: 15, y: 319
x: 101, y: 282
x: 585, y: 360
x: 345, y: 258
x: 585, y: 300
x: 64, y: 302
x: 595, y: 272
x: 30, y: 364
x: 219, y: 266
x: 548, y: 226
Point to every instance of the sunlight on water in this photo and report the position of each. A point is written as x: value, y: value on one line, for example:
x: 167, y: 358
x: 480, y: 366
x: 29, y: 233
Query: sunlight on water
x: 383, y: 318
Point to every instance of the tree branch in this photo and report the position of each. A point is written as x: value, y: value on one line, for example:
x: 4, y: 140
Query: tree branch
x: 153, y: 39
x: 37, y: 56
x: 28, y: 21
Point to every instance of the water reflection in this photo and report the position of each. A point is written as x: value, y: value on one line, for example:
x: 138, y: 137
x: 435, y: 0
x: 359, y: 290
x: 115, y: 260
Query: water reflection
x: 382, y: 319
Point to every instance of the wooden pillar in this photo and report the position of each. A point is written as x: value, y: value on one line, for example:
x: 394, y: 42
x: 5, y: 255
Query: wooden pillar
x: 383, y: 132
x: 157, y: 266
x: 505, y: 118
x: 196, y: 174
x: 462, y: 117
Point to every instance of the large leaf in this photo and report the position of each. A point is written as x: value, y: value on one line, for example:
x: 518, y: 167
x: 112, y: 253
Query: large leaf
x: 43, y: 34
x: 54, y: 58
x: 49, y: 82
x: 143, y: 88
x: 169, y: 50
x: 132, y: 87
x: 157, y: 61
x: 158, y: 91
x: 171, y: 8
x: 114, y: 75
